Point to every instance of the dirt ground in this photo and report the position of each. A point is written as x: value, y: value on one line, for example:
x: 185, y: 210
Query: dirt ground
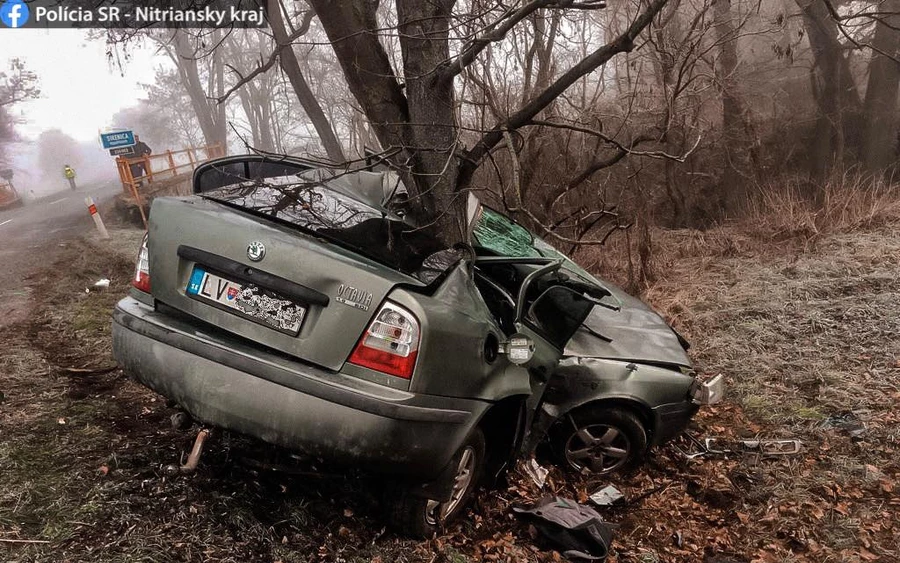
x: 809, y: 339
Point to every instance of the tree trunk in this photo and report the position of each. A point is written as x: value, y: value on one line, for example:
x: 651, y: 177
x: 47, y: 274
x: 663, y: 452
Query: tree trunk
x: 291, y: 67
x: 420, y: 123
x: 732, y: 188
x: 424, y: 30
x: 880, y: 107
x: 833, y: 88
x: 207, y: 115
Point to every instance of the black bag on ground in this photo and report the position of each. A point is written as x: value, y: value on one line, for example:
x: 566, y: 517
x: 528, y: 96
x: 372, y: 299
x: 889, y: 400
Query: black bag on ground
x: 576, y: 530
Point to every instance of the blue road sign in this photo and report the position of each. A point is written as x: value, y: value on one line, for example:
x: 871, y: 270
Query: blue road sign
x: 117, y: 139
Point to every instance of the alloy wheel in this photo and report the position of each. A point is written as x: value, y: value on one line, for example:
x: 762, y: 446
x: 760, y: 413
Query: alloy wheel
x: 436, y: 511
x: 598, y: 448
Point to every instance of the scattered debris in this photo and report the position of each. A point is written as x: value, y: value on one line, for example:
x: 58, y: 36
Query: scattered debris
x: 99, y: 285
x: 91, y: 371
x: 773, y: 447
x: 847, y: 422
x: 576, y: 529
x: 607, y: 496
x: 717, y: 446
x: 537, y: 473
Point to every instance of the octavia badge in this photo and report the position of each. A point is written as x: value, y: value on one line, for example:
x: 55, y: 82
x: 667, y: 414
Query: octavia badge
x: 256, y: 251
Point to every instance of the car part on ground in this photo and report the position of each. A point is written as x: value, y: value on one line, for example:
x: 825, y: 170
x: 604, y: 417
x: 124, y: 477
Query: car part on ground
x: 189, y: 466
x: 607, y: 496
x: 695, y: 447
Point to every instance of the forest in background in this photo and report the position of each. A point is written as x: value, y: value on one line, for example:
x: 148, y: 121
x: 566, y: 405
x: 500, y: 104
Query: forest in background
x: 598, y: 118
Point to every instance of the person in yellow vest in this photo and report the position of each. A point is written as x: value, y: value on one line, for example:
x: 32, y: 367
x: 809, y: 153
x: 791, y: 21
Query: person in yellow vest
x: 69, y: 172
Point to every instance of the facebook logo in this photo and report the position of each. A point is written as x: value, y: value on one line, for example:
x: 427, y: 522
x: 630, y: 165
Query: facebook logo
x: 14, y: 13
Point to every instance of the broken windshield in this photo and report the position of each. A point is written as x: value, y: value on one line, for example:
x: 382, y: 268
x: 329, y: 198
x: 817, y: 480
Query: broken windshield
x: 504, y: 237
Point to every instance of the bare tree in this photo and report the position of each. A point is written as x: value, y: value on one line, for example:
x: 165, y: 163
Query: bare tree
x: 282, y: 52
x: 832, y: 85
x: 413, y: 109
x: 17, y: 84
x: 880, y: 106
x: 187, y: 56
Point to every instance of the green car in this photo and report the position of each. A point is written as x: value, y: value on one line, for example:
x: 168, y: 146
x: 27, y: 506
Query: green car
x: 295, y: 304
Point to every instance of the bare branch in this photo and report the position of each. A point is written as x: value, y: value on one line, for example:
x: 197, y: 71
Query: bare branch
x: 273, y: 57
x: 622, y: 43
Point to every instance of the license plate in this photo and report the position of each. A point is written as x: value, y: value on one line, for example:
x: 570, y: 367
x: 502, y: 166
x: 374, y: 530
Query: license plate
x: 247, y: 300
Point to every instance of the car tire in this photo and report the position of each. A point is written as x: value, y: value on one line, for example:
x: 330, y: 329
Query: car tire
x: 420, y: 517
x: 601, y: 441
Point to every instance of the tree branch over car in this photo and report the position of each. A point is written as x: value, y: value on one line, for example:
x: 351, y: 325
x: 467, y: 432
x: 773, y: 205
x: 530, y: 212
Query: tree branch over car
x: 414, y: 108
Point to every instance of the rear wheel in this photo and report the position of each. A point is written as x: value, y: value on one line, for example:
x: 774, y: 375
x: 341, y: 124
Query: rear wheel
x: 422, y: 517
x: 600, y: 440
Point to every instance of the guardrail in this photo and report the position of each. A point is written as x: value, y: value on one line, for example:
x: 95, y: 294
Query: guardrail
x: 138, y: 171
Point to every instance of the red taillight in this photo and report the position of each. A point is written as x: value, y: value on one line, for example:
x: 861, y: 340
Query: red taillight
x: 141, y: 278
x: 390, y: 344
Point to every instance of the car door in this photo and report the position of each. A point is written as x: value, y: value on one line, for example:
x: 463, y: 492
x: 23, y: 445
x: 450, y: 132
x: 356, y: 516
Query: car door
x: 544, y: 324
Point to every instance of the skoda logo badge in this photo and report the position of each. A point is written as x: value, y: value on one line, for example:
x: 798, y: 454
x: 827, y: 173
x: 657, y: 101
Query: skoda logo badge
x: 256, y: 251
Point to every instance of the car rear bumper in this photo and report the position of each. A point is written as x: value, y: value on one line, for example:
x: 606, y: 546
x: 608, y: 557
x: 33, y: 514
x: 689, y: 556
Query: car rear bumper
x: 227, y: 382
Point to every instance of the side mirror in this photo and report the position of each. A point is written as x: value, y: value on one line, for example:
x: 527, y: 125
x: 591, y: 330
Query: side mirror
x: 519, y: 348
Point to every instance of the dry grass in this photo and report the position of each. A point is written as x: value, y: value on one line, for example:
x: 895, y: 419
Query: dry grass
x: 845, y: 203
x: 798, y: 305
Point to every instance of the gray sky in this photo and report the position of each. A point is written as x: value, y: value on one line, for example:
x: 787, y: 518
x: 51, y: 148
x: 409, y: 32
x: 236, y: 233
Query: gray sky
x: 80, y: 90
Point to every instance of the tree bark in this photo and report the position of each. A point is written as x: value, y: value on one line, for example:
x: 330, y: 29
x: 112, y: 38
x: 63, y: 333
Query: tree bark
x: 732, y: 188
x: 291, y: 66
x: 880, y: 106
x: 833, y: 88
x: 211, y: 117
x: 424, y: 31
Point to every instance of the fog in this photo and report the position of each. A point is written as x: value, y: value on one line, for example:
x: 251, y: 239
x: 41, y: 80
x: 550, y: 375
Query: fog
x: 92, y: 165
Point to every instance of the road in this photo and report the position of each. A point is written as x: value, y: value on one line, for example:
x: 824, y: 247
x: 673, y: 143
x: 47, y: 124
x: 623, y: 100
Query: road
x: 29, y: 235
x: 50, y: 217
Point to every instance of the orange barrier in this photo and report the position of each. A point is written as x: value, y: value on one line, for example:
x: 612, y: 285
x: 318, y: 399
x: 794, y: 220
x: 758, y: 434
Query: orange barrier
x: 8, y: 195
x: 166, y: 164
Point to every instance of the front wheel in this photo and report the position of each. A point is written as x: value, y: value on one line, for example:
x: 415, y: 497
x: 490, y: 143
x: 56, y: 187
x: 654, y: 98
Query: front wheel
x: 422, y: 517
x: 600, y: 440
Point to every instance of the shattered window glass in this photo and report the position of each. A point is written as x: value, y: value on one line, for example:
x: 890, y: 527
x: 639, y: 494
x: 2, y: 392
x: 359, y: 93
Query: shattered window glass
x: 500, y: 235
x: 311, y: 203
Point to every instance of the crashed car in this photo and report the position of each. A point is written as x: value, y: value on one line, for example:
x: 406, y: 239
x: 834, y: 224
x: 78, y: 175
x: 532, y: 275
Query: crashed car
x: 294, y: 304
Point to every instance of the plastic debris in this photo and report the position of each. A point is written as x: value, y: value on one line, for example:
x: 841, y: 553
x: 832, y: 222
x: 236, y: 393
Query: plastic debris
x: 847, y: 422
x: 696, y: 447
x: 537, y: 473
x: 102, y: 284
x: 607, y: 496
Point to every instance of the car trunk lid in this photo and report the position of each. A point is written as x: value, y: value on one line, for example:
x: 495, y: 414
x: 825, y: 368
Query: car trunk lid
x: 337, y: 289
